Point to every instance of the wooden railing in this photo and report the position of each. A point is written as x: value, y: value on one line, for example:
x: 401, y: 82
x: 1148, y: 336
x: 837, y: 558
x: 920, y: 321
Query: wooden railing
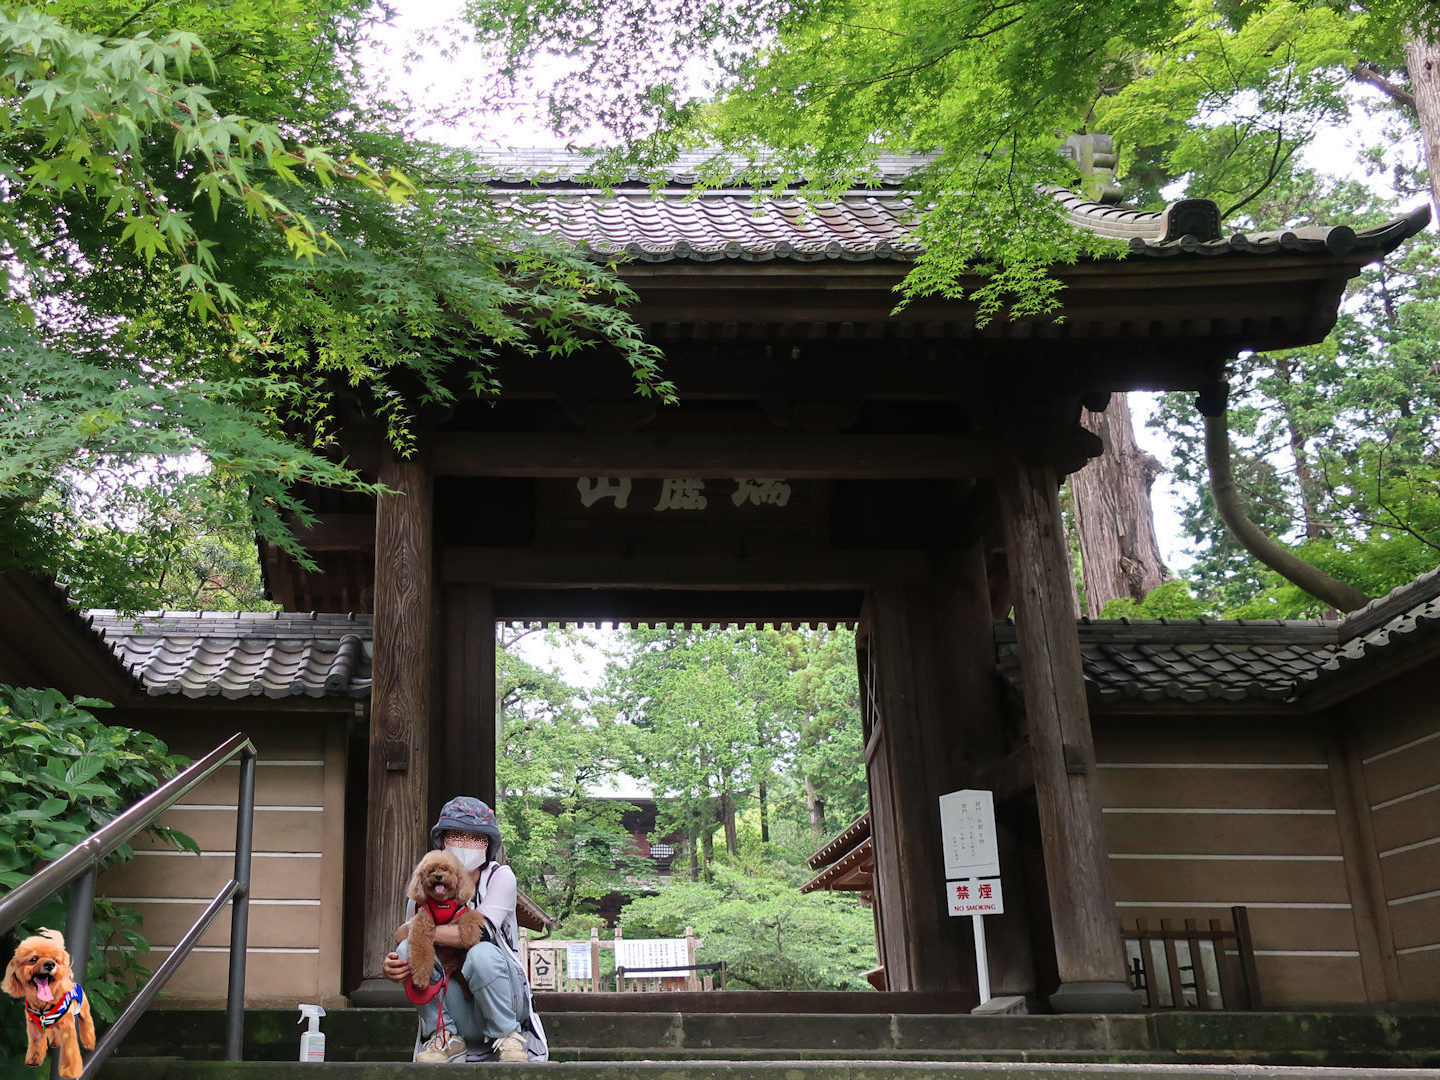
x: 1190, y: 968
x: 591, y: 966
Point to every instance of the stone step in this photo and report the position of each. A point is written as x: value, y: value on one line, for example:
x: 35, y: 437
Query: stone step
x: 374, y: 1034
x: 176, y: 1069
x: 1354, y: 1038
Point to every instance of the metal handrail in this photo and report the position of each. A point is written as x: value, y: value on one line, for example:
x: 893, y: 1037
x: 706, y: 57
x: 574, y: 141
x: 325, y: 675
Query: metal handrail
x: 80, y: 864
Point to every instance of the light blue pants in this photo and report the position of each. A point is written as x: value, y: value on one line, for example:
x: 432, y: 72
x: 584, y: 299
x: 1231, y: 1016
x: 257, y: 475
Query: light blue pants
x: 498, y: 1004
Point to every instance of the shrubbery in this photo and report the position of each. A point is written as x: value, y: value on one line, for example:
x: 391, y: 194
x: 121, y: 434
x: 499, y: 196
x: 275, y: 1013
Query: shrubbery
x: 64, y: 774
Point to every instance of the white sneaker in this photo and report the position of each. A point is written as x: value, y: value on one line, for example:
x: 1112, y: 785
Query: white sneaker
x: 511, y: 1047
x: 441, y: 1048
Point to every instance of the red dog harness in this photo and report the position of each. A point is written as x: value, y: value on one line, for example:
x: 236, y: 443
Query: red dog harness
x: 444, y: 911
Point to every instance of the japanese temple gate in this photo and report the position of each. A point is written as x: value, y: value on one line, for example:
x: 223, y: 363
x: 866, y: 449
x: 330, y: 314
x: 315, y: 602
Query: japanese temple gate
x: 830, y: 460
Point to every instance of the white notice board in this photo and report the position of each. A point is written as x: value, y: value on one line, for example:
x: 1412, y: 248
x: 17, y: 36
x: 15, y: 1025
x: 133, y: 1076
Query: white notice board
x: 656, y: 953
x: 577, y: 960
x: 967, y: 833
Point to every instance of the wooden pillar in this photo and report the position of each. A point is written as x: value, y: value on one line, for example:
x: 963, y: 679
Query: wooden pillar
x: 1379, y: 971
x: 930, y: 678
x: 465, y: 743
x: 1088, y: 952
x: 398, y: 811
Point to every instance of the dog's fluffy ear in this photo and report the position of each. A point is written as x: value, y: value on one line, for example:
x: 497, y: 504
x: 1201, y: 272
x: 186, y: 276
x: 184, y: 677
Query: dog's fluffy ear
x: 416, y: 889
x: 12, y: 984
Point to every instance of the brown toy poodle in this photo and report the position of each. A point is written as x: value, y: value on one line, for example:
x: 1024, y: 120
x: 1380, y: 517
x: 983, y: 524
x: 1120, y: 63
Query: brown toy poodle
x: 57, y: 1012
x: 440, y: 889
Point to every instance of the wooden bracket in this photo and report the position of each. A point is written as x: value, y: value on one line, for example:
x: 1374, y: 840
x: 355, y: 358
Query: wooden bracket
x: 1076, y: 762
x: 396, y: 755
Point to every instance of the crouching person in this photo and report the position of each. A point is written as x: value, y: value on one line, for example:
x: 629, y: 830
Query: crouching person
x: 478, y: 1005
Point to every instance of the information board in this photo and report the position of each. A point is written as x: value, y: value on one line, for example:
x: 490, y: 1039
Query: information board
x: 577, y: 960
x: 967, y: 834
x: 653, y: 953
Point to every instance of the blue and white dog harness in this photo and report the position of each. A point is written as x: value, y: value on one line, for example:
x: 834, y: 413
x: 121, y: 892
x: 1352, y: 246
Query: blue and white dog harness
x: 49, y: 1017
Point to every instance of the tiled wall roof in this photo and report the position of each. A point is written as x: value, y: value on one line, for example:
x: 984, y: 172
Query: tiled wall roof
x: 242, y: 654
x: 1213, y: 660
x: 280, y: 654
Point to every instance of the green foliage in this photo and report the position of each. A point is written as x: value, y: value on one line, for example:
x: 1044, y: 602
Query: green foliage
x: 1334, y: 446
x: 1172, y: 600
x: 770, y: 937
x: 569, y: 848
x: 726, y: 723
x: 1232, y: 97
x: 64, y: 774
x: 825, y: 789
x: 757, y: 732
x: 196, y: 286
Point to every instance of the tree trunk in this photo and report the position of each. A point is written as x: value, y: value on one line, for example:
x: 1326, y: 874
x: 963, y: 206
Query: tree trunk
x: 1422, y: 60
x: 816, y: 806
x: 764, y: 817
x: 707, y: 849
x: 1119, y: 555
x: 727, y: 821
x: 1304, y: 479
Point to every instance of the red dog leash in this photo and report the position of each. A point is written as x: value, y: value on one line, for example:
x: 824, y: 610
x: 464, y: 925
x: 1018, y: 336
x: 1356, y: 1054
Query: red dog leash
x: 442, y: 911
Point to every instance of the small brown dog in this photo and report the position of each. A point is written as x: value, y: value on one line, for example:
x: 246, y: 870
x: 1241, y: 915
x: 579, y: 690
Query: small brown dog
x: 439, y: 888
x: 56, y: 1009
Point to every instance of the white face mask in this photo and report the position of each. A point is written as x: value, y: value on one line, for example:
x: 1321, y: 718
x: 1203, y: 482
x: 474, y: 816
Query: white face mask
x: 471, y: 858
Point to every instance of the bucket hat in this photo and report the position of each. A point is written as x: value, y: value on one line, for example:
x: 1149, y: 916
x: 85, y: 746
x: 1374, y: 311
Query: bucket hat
x: 464, y: 814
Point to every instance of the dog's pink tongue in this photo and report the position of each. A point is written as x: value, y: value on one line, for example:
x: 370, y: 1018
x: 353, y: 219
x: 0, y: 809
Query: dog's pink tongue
x: 42, y: 989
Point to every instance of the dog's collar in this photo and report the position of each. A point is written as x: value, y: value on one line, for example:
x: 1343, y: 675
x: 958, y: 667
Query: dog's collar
x: 444, y: 911
x: 47, y: 1018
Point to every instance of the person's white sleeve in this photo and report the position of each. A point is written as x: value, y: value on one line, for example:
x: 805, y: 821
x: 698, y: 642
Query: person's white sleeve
x: 498, y: 906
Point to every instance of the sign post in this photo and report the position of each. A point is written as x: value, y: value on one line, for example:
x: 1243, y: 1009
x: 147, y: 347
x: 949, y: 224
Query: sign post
x: 972, y: 867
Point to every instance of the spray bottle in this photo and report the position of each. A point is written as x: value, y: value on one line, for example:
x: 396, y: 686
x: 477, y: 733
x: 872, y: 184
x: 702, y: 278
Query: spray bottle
x: 312, y: 1043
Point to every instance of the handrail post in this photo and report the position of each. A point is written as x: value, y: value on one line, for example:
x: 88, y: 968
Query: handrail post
x: 240, y: 908
x: 78, y: 923
x: 77, y: 938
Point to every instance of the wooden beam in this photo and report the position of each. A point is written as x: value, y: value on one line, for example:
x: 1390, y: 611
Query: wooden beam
x: 401, y: 691
x: 49, y: 644
x: 467, y: 746
x: 1010, y: 776
x: 1088, y: 953
x: 518, y: 568
x: 337, y: 532
x: 678, y: 605
x: 1364, y: 878
x: 790, y: 455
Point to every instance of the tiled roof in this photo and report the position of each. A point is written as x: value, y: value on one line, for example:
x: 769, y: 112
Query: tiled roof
x: 669, y: 225
x: 242, y: 654
x: 842, y: 842
x: 662, y: 217
x: 1405, y: 618
x: 1215, y: 660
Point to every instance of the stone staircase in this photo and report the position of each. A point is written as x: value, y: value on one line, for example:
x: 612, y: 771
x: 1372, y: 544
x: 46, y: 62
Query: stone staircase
x: 374, y: 1044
